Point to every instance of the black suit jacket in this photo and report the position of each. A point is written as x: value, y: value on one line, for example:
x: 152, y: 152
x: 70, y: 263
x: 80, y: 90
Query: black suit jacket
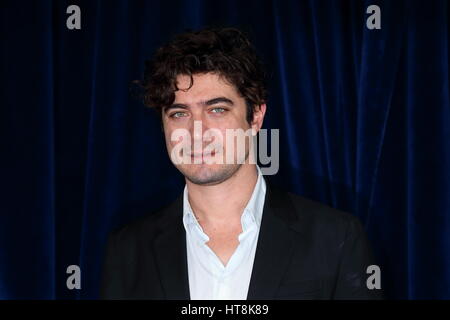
x: 305, y: 250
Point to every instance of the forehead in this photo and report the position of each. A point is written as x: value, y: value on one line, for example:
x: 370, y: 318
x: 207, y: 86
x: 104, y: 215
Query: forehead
x: 206, y: 85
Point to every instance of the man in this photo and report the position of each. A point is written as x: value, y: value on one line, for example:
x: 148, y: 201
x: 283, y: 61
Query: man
x: 230, y: 235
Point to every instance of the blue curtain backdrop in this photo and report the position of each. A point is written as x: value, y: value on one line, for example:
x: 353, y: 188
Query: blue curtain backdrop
x: 364, y: 119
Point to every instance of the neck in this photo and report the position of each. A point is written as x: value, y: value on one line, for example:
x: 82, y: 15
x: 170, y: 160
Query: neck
x: 223, y: 204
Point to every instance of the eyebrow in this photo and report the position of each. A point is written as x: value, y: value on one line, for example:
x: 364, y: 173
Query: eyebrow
x: 204, y: 103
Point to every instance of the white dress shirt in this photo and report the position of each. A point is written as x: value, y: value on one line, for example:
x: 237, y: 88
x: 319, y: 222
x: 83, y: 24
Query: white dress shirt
x: 209, y: 279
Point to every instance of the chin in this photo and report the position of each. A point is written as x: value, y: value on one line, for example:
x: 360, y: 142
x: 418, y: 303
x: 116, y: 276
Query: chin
x: 208, y: 174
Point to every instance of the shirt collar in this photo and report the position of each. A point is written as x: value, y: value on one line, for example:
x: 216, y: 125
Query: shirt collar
x: 252, y: 212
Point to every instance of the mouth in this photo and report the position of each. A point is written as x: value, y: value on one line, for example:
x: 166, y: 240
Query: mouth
x: 202, y: 155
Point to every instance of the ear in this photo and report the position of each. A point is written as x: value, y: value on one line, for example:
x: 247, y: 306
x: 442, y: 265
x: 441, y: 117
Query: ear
x: 258, y: 117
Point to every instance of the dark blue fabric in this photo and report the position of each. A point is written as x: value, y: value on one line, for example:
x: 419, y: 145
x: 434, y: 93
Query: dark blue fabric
x: 364, y: 119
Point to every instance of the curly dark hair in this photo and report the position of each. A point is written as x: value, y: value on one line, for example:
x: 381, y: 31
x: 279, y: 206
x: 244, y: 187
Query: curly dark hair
x: 224, y: 51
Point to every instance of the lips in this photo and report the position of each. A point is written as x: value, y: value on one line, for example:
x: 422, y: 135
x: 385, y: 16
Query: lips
x: 199, y: 155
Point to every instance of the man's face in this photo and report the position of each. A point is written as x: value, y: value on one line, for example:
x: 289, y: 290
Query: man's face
x: 218, y: 106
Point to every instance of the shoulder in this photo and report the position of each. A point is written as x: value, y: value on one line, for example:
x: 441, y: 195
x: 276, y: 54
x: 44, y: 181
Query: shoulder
x: 316, y: 210
x: 318, y: 219
x: 328, y: 232
x: 149, y: 224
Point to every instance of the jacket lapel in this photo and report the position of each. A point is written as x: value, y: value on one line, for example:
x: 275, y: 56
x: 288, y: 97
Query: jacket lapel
x: 169, y: 248
x: 274, y: 248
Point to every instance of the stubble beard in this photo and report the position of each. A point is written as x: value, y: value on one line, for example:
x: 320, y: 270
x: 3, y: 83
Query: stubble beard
x: 209, y: 176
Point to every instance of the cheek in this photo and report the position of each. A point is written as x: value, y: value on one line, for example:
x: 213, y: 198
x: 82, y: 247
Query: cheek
x: 176, y: 136
x: 239, y: 120
x: 168, y: 137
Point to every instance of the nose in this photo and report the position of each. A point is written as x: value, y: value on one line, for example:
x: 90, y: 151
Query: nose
x: 197, y: 128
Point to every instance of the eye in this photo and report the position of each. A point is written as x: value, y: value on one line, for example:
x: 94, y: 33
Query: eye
x: 218, y: 110
x: 178, y: 114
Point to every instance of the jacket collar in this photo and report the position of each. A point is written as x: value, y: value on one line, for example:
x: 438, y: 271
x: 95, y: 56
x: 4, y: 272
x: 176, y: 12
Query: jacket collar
x: 274, y: 244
